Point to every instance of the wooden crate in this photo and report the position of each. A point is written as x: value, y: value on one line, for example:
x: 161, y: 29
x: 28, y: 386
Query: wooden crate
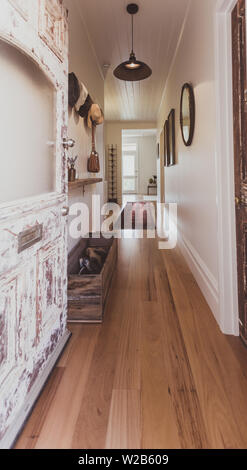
x: 87, y: 294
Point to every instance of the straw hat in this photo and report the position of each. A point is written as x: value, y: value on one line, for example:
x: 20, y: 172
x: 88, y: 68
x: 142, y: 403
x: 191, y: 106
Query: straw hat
x: 95, y: 115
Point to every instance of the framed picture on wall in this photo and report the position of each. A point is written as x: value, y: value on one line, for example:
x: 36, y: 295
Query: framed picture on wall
x: 166, y: 144
x: 171, y: 138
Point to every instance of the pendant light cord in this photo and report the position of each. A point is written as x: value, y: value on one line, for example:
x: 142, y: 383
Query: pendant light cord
x: 132, y: 16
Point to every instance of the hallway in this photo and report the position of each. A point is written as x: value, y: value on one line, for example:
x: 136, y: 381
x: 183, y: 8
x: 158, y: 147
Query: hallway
x: 132, y: 121
x: 157, y: 374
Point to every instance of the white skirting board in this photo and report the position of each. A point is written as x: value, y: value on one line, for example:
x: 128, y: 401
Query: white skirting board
x: 205, y: 279
x: 14, y: 430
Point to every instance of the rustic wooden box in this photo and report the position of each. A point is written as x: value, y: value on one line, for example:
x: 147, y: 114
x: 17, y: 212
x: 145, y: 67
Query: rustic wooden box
x: 87, y: 294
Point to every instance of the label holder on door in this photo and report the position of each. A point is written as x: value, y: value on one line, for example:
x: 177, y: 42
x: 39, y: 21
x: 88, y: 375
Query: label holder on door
x: 29, y: 237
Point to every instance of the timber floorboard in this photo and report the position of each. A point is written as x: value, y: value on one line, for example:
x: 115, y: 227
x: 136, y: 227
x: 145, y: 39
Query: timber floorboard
x: 157, y: 374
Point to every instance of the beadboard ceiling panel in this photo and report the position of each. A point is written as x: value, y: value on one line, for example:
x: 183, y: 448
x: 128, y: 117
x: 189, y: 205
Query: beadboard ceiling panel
x: 157, y: 27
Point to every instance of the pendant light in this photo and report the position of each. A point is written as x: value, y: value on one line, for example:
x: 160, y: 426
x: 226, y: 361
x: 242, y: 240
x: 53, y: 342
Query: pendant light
x: 132, y: 70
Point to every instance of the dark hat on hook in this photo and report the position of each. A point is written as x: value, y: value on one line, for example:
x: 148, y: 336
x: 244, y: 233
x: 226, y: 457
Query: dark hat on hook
x: 74, y: 89
x: 84, y: 109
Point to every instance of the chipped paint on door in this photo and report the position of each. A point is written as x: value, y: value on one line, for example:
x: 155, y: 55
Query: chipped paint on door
x: 33, y: 283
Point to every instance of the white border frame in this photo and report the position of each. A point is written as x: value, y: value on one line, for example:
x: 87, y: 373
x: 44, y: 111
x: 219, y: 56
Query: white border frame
x: 227, y: 247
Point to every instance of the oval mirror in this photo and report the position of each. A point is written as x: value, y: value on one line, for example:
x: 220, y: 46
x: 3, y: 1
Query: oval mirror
x: 187, y: 114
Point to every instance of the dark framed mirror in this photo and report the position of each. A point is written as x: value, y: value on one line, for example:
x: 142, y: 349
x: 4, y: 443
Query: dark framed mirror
x: 187, y: 114
x: 166, y: 145
x: 171, y: 138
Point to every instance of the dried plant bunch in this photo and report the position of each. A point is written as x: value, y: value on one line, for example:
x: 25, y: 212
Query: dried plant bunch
x: 71, y: 161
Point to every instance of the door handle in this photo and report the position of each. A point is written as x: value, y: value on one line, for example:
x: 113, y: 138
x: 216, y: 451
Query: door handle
x: 68, y: 143
x: 65, y: 211
x: 237, y: 201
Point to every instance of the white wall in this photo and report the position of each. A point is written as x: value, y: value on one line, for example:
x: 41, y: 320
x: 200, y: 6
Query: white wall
x: 83, y: 63
x: 192, y: 182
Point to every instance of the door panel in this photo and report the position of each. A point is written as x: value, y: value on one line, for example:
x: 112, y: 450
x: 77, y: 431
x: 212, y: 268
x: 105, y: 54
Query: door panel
x: 34, y: 173
x: 240, y: 149
x: 130, y: 171
x: 33, y: 281
x: 17, y: 337
x: 129, y: 185
x: 49, y: 288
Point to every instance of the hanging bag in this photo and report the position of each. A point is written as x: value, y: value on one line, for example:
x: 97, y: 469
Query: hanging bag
x: 93, y: 165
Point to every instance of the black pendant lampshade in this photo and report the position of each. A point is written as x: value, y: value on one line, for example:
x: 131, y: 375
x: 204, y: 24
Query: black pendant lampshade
x: 132, y: 70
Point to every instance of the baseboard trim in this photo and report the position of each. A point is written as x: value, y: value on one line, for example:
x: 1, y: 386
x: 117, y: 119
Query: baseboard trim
x: 205, y: 279
x: 14, y: 430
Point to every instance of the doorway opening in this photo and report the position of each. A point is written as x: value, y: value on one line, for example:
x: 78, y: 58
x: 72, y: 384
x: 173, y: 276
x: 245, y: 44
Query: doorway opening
x: 139, y: 165
x: 227, y: 298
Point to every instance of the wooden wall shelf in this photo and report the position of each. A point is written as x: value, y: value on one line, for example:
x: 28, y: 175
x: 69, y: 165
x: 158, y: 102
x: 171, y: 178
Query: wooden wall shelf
x: 83, y: 182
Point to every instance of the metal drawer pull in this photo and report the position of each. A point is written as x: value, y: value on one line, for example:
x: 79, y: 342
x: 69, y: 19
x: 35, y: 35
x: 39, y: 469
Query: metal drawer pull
x: 65, y: 211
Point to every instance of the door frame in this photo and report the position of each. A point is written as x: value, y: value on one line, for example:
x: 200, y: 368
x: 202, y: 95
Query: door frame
x: 228, y: 312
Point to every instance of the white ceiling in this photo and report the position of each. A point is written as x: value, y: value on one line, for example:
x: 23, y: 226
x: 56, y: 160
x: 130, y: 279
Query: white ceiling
x: 129, y: 133
x: 156, y: 27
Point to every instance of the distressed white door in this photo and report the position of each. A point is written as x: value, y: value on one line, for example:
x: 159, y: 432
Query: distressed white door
x: 33, y: 201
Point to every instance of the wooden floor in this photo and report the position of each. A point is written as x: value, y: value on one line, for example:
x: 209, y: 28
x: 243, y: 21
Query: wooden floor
x: 157, y: 374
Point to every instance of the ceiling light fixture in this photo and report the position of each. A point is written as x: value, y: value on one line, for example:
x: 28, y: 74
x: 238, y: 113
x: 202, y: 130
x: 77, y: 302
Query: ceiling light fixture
x: 132, y: 70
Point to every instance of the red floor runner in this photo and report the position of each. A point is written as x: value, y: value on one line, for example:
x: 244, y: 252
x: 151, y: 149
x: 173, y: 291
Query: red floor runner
x: 138, y: 216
